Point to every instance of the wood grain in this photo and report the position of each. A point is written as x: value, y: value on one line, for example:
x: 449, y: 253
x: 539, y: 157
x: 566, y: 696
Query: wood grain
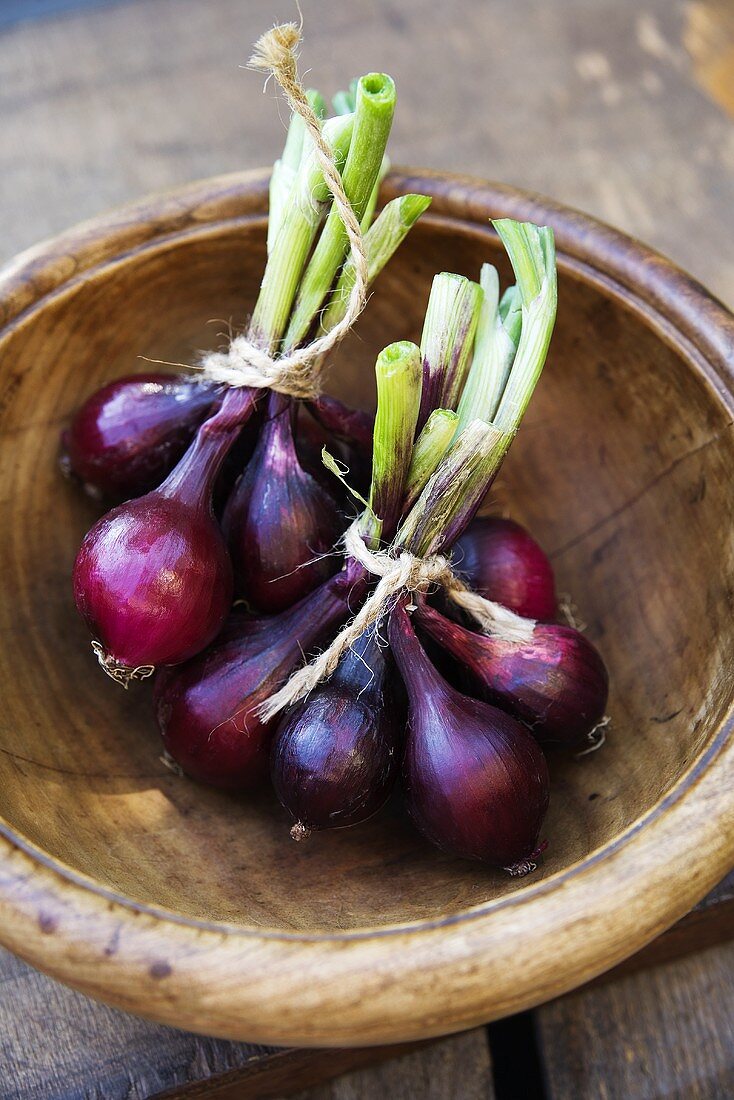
x: 455, y: 1069
x: 667, y: 1033
x: 87, y: 1046
x: 192, y: 907
x: 123, y: 1055
x: 599, y: 105
x: 709, y: 924
x: 56, y: 1044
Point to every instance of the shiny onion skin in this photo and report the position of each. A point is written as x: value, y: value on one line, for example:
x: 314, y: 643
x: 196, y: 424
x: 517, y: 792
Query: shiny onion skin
x: 127, y: 436
x: 280, y: 521
x: 152, y: 579
x: 502, y: 562
x: 556, y: 683
x: 336, y: 756
x: 476, y: 781
x: 207, y: 709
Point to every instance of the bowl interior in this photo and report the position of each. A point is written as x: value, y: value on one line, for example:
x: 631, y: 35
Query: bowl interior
x: 621, y: 471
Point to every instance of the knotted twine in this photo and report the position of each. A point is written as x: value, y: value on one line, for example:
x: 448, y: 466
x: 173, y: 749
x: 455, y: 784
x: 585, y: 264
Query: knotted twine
x: 297, y: 373
x: 400, y: 572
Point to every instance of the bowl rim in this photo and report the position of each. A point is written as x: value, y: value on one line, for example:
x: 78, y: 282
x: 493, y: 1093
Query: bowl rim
x: 399, y: 981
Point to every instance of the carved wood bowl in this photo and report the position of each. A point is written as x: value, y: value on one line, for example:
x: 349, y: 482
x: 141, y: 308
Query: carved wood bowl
x: 195, y: 908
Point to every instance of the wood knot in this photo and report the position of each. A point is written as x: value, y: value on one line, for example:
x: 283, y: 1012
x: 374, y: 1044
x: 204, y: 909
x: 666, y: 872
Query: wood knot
x: 160, y: 970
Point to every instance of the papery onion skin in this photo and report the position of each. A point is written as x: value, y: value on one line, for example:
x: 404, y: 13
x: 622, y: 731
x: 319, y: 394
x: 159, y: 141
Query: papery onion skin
x: 476, y: 781
x: 335, y: 757
x: 127, y: 436
x: 152, y: 579
x: 280, y: 523
x: 207, y: 709
x: 503, y: 562
x: 557, y: 682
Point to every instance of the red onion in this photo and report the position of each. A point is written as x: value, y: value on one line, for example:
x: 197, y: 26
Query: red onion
x: 127, y: 437
x: 476, y: 780
x: 279, y: 521
x: 152, y: 578
x: 556, y: 683
x: 502, y: 562
x: 207, y: 709
x: 335, y: 757
x: 354, y: 426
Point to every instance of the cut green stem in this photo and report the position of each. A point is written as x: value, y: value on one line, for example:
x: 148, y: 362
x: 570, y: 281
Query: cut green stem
x: 398, y: 371
x: 381, y: 240
x: 286, y: 168
x: 447, y: 340
x: 495, y: 346
x: 372, y: 121
x: 345, y: 101
x: 369, y: 210
x: 306, y: 203
x: 532, y: 253
x: 430, y: 447
x: 455, y: 491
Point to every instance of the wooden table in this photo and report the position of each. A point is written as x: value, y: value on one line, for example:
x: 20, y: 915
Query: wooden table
x: 620, y: 107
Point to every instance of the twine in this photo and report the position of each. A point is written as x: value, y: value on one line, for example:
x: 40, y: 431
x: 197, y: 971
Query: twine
x: 405, y: 573
x: 244, y: 363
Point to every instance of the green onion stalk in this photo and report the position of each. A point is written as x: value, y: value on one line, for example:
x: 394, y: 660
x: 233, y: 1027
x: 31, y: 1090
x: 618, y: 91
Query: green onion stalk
x: 308, y: 199
x: 286, y: 168
x: 446, y: 472
x: 375, y: 106
x: 462, y: 478
x: 447, y: 341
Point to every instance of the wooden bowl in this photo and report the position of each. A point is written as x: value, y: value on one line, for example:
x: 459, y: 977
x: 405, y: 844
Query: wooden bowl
x: 194, y: 908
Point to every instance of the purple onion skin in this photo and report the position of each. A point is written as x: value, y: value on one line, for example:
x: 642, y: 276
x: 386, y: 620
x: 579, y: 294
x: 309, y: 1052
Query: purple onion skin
x: 556, y: 683
x: 476, y: 781
x: 354, y: 426
x: 152, y: 579
x: 127, y: 437
x: 502, y: 562
x: 278, y: 519
x: 207, y: 709
x: 336, y: 756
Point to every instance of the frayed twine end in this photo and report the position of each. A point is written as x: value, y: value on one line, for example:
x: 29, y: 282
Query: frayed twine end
x: 276, y: 50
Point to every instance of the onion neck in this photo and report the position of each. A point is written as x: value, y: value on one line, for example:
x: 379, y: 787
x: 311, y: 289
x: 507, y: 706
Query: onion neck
x: 418, y: 672
x: 277, y: 440
x: 475, y: 651
x: 363, y: 668
x: 323, y: 610
x: 352, y: 425
x: 192, y: 480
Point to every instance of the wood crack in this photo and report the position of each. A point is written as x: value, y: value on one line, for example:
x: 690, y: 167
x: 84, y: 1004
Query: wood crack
x: 616, y: 512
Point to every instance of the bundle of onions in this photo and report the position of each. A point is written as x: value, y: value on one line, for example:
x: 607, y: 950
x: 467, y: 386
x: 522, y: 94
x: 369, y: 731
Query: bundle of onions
x: 156, y: 577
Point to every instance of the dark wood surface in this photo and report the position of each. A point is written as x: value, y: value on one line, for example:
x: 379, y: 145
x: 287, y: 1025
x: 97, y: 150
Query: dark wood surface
x: 614, y: 106
x: 666, y: 1033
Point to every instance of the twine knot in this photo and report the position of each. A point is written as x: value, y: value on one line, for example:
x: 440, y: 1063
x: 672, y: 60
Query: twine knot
x: 399, y: 573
